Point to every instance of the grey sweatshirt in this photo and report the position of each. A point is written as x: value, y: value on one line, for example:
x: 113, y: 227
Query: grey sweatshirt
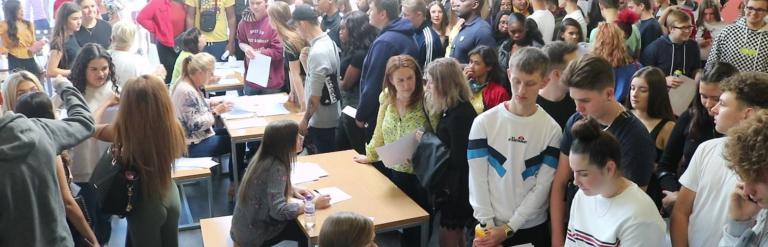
x: 31, y: 209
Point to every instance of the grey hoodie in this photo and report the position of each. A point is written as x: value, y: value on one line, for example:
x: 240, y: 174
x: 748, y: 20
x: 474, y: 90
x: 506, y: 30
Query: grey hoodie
x: 31, y: 209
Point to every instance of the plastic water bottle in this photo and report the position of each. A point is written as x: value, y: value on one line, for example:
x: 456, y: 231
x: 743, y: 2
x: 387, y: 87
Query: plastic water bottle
x: 309, y: 214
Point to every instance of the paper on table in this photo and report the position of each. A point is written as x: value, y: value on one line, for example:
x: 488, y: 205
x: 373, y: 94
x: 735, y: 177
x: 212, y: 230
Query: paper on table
x: 258, y: 70
x: 228, y: 81
x: 350, y: 111
x: 303, y: 172
x: 337, y: 195
x: 271, y: 110
x: 398, y: 152
x: 681, y: 96
x: 246, y: 123
x: 195, y: 163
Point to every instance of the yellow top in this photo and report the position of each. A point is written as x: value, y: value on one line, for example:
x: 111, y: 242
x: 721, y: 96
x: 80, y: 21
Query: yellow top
x: 477, y: 102
x: 219, y: 33
x: 26, y: 34
x: 452, y: 33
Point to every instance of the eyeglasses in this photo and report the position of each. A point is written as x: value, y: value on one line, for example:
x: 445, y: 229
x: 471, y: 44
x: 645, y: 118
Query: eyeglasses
x: 756, y: 10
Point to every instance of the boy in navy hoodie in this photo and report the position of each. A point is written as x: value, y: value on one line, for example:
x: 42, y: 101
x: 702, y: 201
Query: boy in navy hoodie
x: 675, y: 54
x: 395, y: 38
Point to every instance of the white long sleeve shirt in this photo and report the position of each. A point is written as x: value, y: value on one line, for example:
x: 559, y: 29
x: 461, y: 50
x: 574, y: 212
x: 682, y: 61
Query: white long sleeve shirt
x: 512, y: 161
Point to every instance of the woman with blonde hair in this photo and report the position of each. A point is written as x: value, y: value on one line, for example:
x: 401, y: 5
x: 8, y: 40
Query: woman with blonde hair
x: 198, y: 114
x: 609, y: 44
x: 347, y: 229
x: 151, y: 147
x: 449, y: 97
x: 279, y: 14
x: 128, y: 64
x: 16, y: 85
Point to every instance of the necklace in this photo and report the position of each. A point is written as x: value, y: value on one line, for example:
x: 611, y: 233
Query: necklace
x: 603, y: 213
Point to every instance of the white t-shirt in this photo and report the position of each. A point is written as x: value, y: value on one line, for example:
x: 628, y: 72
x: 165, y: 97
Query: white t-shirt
x: 628, y: 219
x: 86, y: 154
x: 708, y: 175
x: 129, y: 65
x: 546, y: 22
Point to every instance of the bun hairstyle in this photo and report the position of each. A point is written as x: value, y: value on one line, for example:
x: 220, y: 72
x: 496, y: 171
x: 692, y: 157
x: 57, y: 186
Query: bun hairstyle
x: 600, y: 146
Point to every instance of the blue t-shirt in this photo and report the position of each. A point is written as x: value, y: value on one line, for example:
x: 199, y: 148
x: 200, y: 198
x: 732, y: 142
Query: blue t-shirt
x: 473, y: 33
x: 638, y: 151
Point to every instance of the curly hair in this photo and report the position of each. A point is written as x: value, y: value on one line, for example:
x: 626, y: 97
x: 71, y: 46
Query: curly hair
x: 609, y: 44
x: 88, y: 53
x: 361, y: 33
x: 747, y: 148
x: 750, y: 88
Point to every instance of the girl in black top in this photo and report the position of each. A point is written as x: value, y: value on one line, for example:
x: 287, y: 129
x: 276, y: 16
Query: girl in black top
x: 356, y: 36
x: 93, y: 30
x: 449, y: 99
x: 64, y: 47
x: 522, y: 32
x: 693, y: 127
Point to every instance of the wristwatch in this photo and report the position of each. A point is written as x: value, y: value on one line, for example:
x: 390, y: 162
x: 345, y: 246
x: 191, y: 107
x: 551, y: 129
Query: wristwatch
x: 508, y: 230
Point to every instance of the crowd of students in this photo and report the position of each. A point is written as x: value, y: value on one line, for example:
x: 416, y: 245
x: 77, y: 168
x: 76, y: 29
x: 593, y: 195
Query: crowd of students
x: 561, y: 122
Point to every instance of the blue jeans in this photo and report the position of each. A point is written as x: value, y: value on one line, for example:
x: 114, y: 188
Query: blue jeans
x: 216, y: 49
x: 320, y: 140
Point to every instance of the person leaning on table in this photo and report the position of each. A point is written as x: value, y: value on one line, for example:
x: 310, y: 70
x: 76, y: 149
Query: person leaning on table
x: 267, y: 202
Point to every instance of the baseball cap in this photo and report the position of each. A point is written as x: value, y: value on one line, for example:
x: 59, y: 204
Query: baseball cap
x: 303, y: 12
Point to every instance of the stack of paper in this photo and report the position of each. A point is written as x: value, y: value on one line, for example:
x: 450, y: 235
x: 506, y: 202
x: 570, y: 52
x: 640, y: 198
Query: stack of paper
x: 271, y: 110
x: 194, y: 163
x: 228, y: 81
x: 337, y: 195
x: 303, y: 172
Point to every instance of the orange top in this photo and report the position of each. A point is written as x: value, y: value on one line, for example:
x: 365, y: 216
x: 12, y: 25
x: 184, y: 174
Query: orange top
x: 26, y: 40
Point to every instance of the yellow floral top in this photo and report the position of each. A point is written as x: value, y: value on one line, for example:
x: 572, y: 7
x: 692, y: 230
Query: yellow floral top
x: 391, y: 127
x: 477, y: 102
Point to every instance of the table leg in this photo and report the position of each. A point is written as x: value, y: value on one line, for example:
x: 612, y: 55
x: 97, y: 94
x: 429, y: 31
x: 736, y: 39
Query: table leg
x: 210, y: 197
x: 234, y: 167
x: 185, y: 204
x: 424, y: 233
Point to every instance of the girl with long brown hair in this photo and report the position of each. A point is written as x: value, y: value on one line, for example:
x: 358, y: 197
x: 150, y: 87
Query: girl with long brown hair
x: 151, y: 147
x: 64, y: 46
x: 268, y: 204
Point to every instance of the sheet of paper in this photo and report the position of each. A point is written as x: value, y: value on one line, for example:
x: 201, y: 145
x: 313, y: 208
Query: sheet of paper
x: 681, y: 96
x: 398, y: 152
x: 228, y: 81
x: 350, y: 111
x: 258, y: 70
x: 246, y: 123
x: 337, y: 195
x: 303, y: 172
x: 195, y: 163
x: 271, y: 110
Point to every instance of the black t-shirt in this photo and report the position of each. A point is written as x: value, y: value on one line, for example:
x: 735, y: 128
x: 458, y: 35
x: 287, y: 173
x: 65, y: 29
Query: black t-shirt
x: 99, y: 34
x: 638, y: 151
x: 560, y: 111
x: 69, y: 52
x: 355, y: 59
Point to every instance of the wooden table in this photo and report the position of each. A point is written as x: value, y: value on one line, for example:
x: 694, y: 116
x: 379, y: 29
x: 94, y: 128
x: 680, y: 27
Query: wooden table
x: 373, y: 195
x: 254, y: 133
x: 188, y: 176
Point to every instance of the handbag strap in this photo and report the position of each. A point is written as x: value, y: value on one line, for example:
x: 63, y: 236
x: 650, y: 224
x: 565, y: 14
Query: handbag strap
x: 428, y: 128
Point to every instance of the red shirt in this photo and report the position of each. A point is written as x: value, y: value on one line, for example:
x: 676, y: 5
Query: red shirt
x: 163, y: 18
x: 494, y: 94
x: 260, y: 35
